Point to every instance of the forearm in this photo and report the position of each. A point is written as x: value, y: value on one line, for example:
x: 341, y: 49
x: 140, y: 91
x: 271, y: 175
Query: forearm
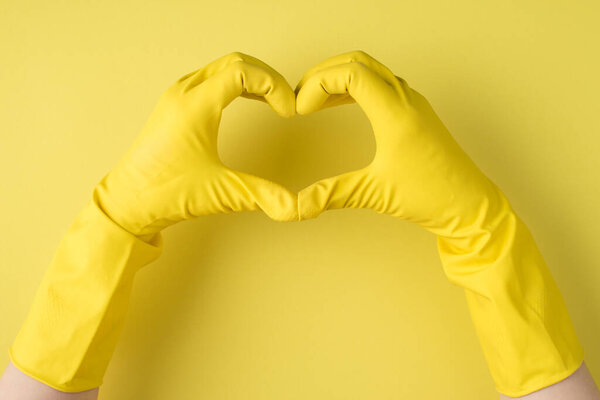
x: 578, y: 386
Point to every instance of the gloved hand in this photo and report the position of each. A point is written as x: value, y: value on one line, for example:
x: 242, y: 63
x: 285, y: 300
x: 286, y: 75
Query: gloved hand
x: 171, y: 173
x: 420, y: 174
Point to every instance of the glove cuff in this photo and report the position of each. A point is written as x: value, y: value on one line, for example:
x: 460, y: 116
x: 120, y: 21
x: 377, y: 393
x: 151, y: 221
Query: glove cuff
x: 520, y: 317
x: 78, y: 312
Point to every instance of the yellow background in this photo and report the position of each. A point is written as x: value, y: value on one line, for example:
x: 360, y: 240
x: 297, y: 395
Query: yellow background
x: 352, y: 305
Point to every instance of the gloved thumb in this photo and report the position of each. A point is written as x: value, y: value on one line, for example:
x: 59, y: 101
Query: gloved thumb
x: 355, y: 189
x: 244, y: 192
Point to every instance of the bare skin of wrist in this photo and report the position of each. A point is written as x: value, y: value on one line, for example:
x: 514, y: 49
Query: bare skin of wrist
x: 16, y: 385
x: 578, y: 386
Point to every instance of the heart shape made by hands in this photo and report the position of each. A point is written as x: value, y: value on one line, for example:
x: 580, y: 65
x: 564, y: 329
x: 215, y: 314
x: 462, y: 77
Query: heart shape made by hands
x: 294, y: 152
x: 418, y: 173
x: 173, y: 171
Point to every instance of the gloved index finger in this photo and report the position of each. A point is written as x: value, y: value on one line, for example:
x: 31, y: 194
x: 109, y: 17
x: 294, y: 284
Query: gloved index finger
x: 200, y: 75
x: 261, y: 83
x: 355, y: 56
x: 241, y: 77
x: 372, y: 93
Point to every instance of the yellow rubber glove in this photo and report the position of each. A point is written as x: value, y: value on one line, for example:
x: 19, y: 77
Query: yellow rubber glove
x: 420, y: 174
x: 171, y: 173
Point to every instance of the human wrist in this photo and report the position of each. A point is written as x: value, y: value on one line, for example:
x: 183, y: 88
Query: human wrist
x: 123, y: 208
x: 485, y: 219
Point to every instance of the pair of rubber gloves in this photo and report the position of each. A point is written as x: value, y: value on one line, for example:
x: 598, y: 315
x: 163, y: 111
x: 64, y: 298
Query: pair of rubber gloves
x: 172, y: 173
